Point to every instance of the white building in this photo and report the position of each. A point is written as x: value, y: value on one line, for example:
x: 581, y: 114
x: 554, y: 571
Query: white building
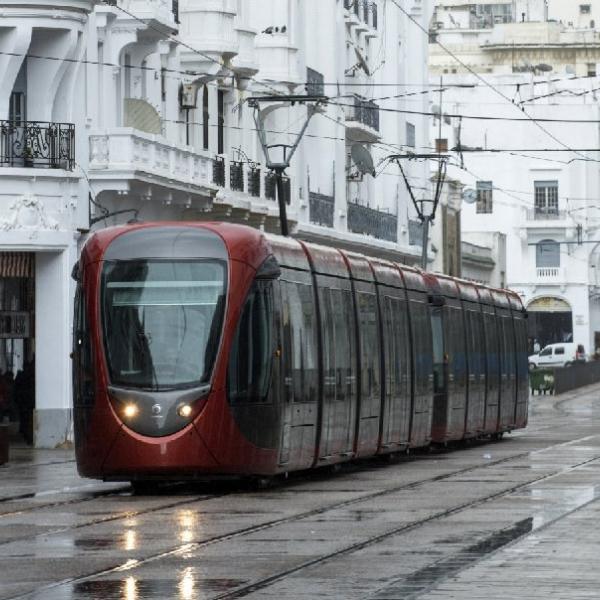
x: 536, y: 183
x: 151, y: 101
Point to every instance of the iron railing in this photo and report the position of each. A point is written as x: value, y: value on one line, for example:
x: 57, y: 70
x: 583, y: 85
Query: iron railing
x: 546, y: 213
x: 219, y: 171
x: 287, y: 189
x: 368, y: 221
x: 321, y: 208
x: 271, y: 185
x: 254, y: 182
x: 415, y: 232
x: 37, y: 144
x: 365, y: 111
x: 236, y: 176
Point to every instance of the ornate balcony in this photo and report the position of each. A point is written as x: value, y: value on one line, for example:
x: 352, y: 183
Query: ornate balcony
x: 124, y: 158
x: 362, y: 120
x: 209, y: 28
x: 555, y: 275
x: 368, y: 221
x: 37, y: 145
x: 546, y: 214
x: 362, y: 15
x: 236, y: 176
x: 153, y: 12
x: 321, y: 209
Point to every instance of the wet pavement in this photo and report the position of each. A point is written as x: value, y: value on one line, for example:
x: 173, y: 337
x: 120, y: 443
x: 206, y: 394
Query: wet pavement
x: 510, y: 519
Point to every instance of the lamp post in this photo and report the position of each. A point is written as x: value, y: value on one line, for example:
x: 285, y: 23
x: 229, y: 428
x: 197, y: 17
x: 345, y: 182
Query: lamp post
x: 286, y: 151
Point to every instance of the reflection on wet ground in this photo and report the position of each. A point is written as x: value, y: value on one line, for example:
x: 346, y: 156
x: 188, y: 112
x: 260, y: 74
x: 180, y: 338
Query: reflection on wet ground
x: 431, y: 575
x: 444, y: 515
x: 186, y: 587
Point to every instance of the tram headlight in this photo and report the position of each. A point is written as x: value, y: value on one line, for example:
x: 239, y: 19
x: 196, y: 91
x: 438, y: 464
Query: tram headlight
x: 130, y: 410
x: 184, y: 410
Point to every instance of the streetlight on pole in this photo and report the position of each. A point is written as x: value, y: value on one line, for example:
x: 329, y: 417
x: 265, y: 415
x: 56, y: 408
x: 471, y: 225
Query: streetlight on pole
x: 286, y: 151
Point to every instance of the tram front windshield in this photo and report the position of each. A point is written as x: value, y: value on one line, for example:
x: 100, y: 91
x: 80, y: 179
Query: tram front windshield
x: 162, y: 321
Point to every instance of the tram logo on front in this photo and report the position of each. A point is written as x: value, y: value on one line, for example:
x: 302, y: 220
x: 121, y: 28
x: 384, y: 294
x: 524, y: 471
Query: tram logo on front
x: 156, y: 410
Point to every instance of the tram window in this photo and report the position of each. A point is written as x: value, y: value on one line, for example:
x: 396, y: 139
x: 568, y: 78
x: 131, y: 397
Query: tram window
x: 475, y: 342
x: 437, y: 336
x: 250, y: 362
x: 395, y: 331
x: 162, y: 321
x: 82, y: 354
x: 342, y: 319
x: 328, y: 343
x: 455, y: 341
x: 367, y: 314
x: 421, y: 330
x: 302, y: 328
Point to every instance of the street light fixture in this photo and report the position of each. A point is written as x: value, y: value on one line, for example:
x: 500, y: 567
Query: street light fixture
x: 286, y: 151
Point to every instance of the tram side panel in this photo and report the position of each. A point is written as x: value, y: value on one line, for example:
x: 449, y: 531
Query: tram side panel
x: 339, y: 363
x: 397, y: 407
x: 508, y: 378
x: 519, y: 318
x: 420, y: 434
x: 254, y: 373
x: 492, y: 367
x: 300, y: 365
x: 475, y: 417
x: 455, y: 358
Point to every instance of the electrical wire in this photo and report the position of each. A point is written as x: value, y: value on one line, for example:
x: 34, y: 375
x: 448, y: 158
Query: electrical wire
x: 489, y: 85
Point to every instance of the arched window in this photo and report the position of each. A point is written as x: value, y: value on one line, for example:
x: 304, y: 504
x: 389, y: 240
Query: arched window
x: 547, y: 254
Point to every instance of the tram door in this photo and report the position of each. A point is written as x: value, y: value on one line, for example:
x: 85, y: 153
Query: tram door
x: 300, y: 370
x: 17, y: 348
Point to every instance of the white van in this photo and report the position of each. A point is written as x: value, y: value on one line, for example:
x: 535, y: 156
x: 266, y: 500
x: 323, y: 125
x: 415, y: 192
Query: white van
x: 558, y: 355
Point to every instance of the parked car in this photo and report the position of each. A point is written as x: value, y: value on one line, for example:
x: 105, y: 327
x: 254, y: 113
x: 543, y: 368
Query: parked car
x: 558, y: 355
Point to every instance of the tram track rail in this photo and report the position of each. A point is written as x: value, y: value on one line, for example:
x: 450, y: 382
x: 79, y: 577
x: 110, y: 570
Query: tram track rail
x: 257, y: 585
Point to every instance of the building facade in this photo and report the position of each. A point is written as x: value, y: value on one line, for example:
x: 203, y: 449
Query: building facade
x: 131, y: 109
x: 519, y: 108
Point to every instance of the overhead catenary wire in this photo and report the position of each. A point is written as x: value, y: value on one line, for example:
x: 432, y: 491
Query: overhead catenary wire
x: 487, y: 83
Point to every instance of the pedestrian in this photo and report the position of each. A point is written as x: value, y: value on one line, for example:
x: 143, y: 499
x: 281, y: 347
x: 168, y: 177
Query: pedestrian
x: 536, y: 346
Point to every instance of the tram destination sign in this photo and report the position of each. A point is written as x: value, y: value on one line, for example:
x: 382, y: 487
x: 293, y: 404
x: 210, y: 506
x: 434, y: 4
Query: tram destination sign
x: 14, y: 324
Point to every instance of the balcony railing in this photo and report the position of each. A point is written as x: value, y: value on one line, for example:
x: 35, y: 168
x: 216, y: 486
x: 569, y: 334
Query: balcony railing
x: 549, y: 273
x: 321, y: 209
x: 546, y: 214
x: 219, y: 171
x: 248, y: 177
x: 236, y: 176
x: 271, y: 186
x: 254, y: 182
x: 365, y: 111
x: 365, y: 10
x: 368, y: 221
x: 142, y: 9
x: 37, y: 144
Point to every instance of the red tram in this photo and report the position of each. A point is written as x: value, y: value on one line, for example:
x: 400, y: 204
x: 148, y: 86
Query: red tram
x: 205, y: 349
